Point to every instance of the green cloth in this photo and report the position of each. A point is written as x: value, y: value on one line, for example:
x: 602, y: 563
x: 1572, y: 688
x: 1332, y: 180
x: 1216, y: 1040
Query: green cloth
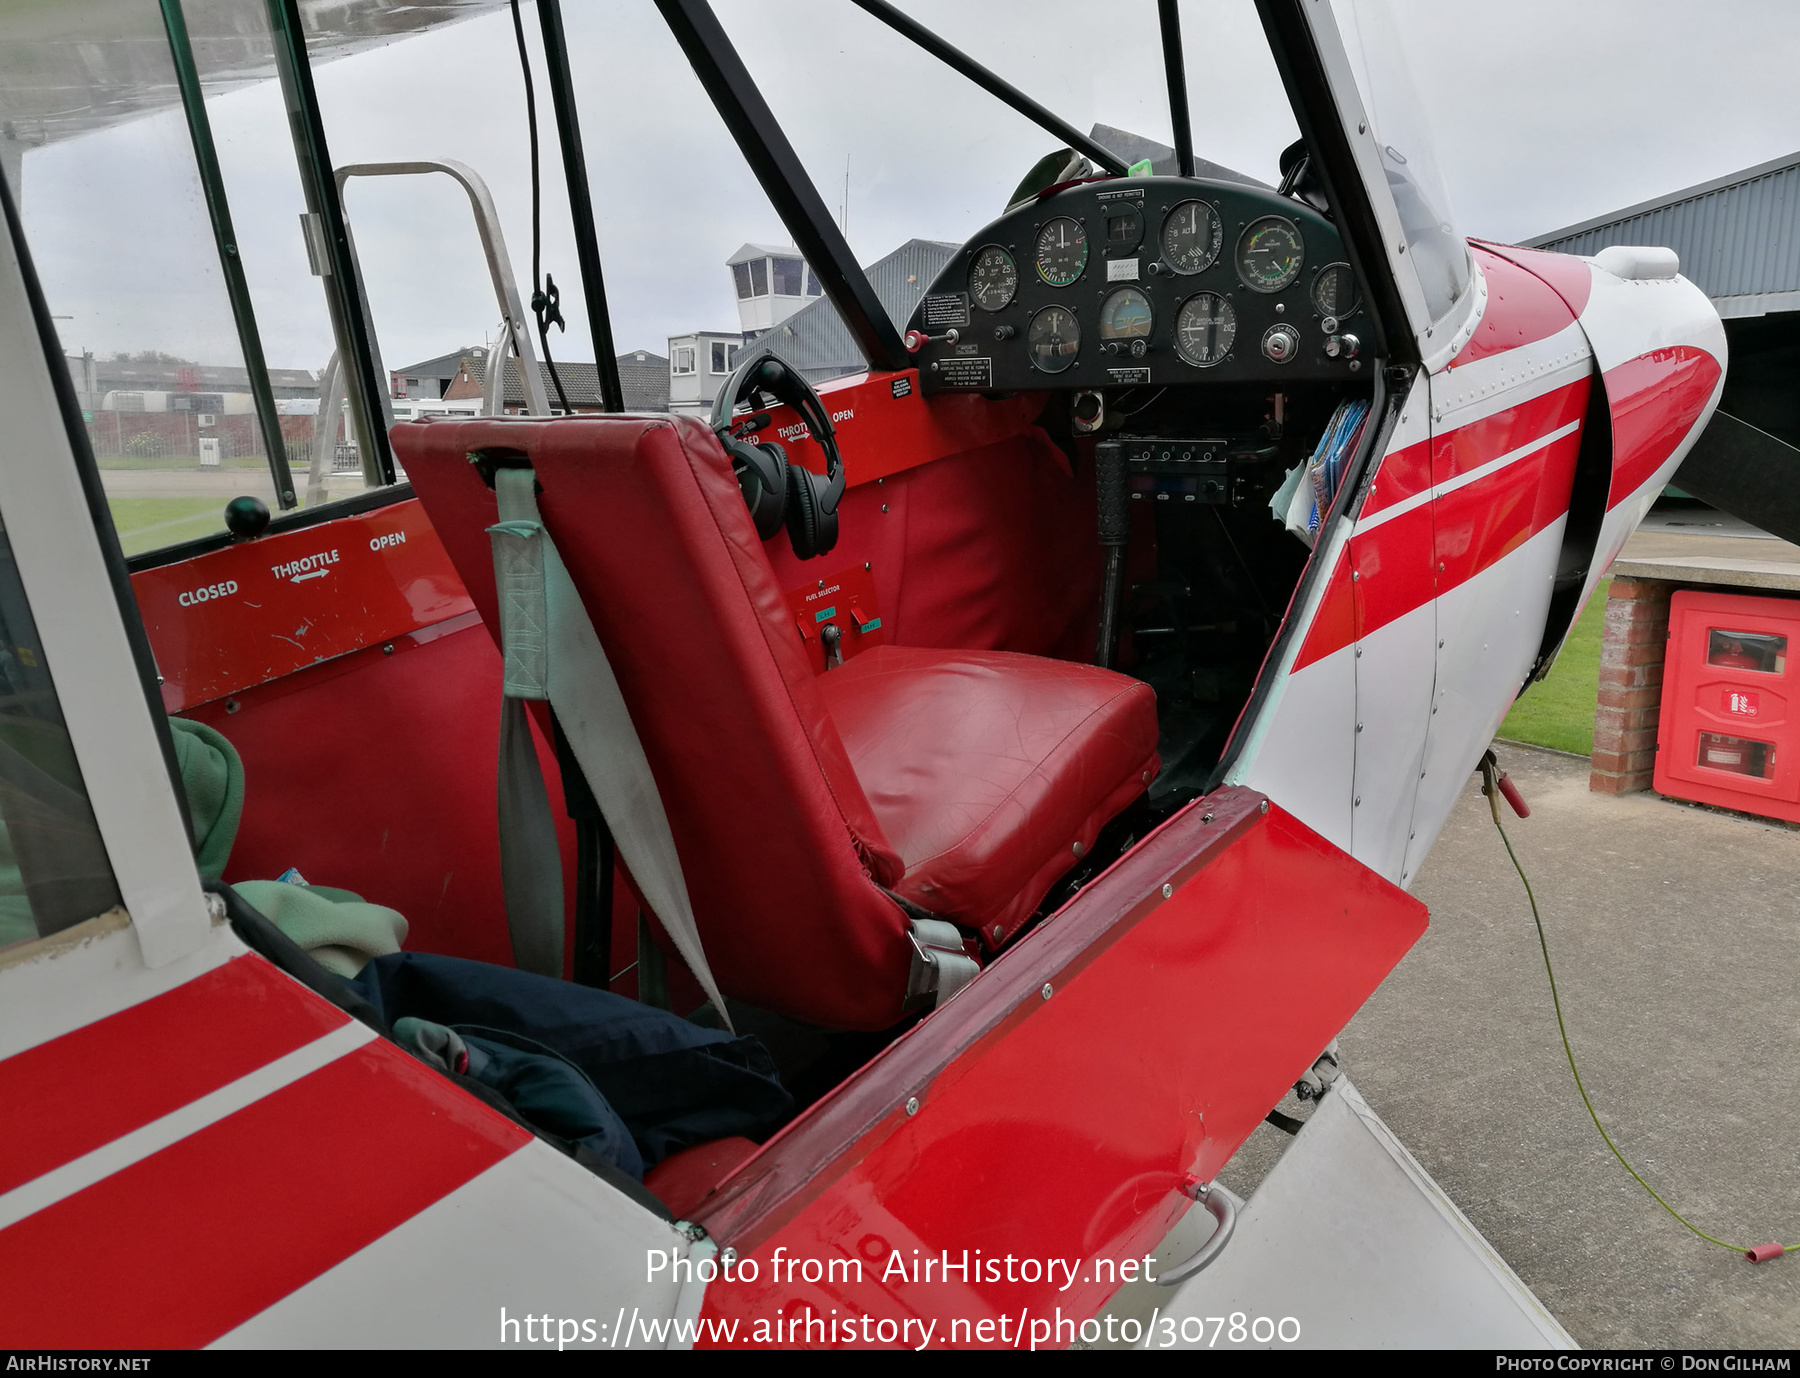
x: 212, y: 776
x: 339, y: 930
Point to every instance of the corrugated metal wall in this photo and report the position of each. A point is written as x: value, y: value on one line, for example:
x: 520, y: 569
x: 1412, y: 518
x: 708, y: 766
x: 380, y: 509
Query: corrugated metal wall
x: 1742, y: 239
x: 815, y: 340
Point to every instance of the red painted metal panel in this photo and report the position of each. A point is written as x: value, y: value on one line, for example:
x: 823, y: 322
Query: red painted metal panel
x: 884, y: 425
x: 1522, y: 308
x: 1334, y: 624
x: 1456, y: 452
x: 845, y: 600
x: 192, y: 1241
x: 374, y: 772
x: 1483, y: 521
x: 1571, y: 277
x: 1062, y: 1125
x: 1655, y: 400
x: 1404, y: 473
x: 255, y: 611
x: 1728, y: 735
x: 69, y: 1096
x: 988, y: 549
x: 1395, y: 572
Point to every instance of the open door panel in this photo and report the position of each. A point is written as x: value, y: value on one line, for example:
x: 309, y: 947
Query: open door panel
x: 1055, y: 1107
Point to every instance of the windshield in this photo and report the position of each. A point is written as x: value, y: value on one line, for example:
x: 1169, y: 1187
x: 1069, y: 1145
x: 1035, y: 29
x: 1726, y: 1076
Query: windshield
x: 1374, y: 40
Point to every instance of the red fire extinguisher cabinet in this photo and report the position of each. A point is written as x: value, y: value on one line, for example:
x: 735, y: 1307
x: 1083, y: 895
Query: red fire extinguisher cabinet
x: 1728, y: 733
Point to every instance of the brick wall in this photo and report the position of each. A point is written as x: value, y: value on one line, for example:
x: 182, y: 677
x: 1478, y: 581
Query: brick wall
x: 1632, y: 646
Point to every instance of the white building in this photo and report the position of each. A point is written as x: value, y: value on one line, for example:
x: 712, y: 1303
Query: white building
x: 698, y: 365
x: 772, y: 283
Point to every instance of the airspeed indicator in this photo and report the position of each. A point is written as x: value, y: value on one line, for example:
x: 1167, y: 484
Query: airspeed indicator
x: 1062, y: 251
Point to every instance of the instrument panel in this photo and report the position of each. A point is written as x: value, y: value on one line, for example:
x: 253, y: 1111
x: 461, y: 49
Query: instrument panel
x: 1146, y: 280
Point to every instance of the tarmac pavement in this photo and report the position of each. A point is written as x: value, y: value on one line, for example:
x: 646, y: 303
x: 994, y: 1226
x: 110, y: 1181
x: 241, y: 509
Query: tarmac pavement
x: 1673, y: 931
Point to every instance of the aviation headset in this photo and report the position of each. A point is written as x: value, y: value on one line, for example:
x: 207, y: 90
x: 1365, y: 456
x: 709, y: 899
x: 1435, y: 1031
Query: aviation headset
x: 776, y: 492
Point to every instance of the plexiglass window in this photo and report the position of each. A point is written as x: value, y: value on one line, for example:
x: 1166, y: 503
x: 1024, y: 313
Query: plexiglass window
x: 1738, y: 755
x: 1762, y: 652
x: 1375, y: 41
x: 54, y: 870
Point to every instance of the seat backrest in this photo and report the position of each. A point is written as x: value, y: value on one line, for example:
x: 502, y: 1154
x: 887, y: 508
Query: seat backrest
x: 778, y: 845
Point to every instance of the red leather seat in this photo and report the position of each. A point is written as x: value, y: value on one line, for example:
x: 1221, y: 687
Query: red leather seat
x: 964, y: 781
x: 990, y: 773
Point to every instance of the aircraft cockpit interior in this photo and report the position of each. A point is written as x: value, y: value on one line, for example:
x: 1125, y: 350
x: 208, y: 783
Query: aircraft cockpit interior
x: 1206, y: 356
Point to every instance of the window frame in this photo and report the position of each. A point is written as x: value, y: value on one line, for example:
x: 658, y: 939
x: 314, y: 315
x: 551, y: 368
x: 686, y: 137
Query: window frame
x: 75, y: 582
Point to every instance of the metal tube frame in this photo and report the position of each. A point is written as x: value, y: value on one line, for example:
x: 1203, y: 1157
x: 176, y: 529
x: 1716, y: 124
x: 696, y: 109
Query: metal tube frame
x: 1168, y: 14
x: 581, y: 205
x: 500, y: 273
x: 366, y: 389
x: 212, y: 182
x: 995, y: 85
x: 784, y: 179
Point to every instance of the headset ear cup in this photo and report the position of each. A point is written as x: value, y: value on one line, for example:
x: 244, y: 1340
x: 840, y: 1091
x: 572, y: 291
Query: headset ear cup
x: 811, y: 529
x: 825, y: 522
x: 762, y: 476
x: 802, y: 513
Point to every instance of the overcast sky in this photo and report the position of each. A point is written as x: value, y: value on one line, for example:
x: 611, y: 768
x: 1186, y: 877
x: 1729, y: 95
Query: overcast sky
x: 1544, y: 112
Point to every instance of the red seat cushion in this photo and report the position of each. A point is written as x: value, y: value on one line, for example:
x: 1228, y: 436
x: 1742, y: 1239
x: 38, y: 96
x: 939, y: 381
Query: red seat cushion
x: 988, y: 770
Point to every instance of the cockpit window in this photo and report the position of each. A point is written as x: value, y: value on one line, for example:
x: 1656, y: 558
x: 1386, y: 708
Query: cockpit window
x: 913, y: 159
x: 1374, y: 40
x: 54, y: 870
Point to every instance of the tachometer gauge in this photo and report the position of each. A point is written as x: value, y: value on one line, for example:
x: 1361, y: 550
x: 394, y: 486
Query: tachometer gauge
x: 1190, y: 237
x: 1205, y: 328
x: 1269, y: 254
x: 1125, y: 315
x: 1334, y: 291
x: 1053, y: 339
x: 993, y: 278
x: 1062, y: 251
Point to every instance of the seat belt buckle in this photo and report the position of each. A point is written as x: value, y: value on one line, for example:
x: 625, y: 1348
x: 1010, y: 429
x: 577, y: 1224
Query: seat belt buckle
x: 940, y: 965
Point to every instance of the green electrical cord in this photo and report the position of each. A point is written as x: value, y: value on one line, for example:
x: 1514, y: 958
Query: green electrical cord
x: 1490, y: 787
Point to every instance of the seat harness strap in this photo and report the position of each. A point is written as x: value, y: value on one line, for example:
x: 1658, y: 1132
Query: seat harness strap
x: 940, y: 965
x: 552, y: 652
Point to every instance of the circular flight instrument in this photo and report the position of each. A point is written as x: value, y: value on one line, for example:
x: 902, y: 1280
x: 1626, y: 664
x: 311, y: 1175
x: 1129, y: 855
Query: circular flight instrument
x: 993, y: 279
x: 1205, y: 328
x: 1052, y: 339
x: 1124, y: 228
x: 1334, y: 291
x: 1062, y: 251
x: 1270, y: 253
x: 1126, y: 315
x: 1191, y: 234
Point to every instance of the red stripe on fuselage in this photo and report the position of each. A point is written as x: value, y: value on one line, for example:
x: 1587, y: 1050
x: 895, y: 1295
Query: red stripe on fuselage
x: 192, y: 1241
x: 69, y: 1096
x: 1481, y: 442
x: 1334, y: 624
x: 1466, y: 530
x: 1481, y: 524
x: 1655, y: 400
x: 1404, y: 473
